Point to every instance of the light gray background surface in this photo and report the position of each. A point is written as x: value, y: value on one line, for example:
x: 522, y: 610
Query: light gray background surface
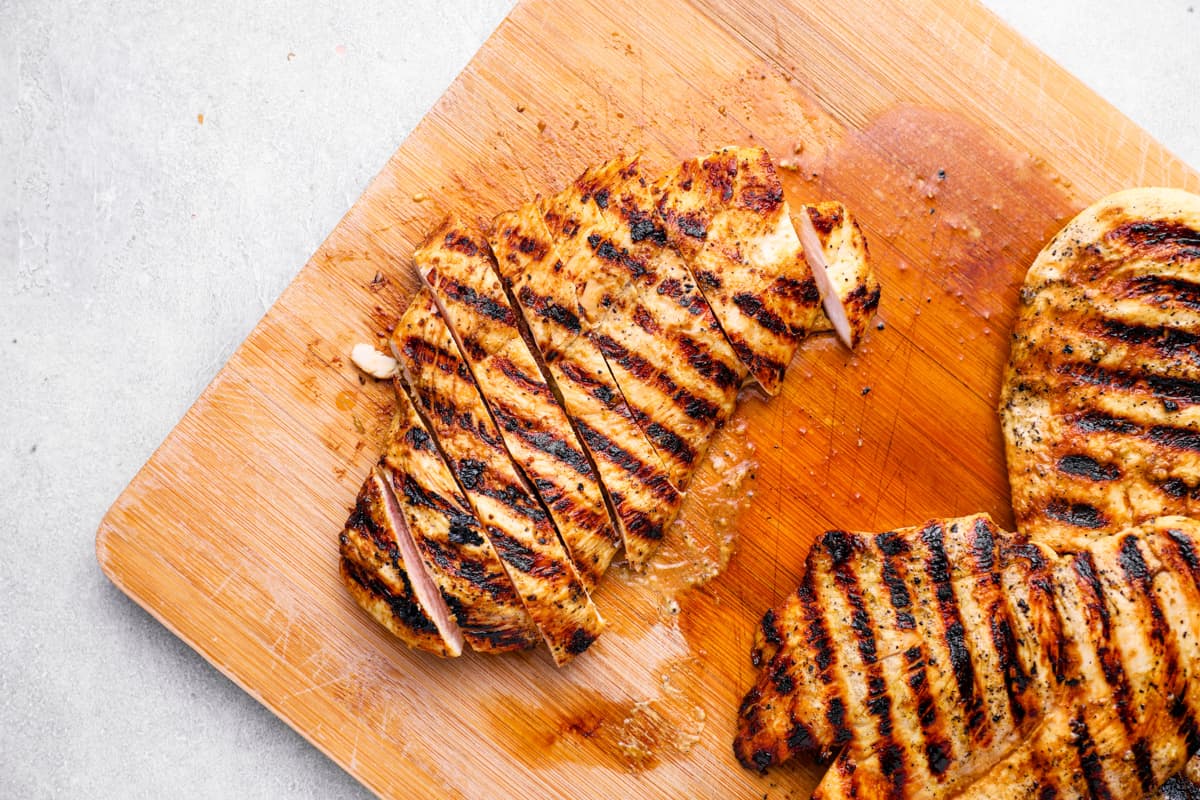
x: 138, y: 247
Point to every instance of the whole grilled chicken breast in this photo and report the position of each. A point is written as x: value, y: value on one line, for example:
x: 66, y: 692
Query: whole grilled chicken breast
x: 1101, y: 401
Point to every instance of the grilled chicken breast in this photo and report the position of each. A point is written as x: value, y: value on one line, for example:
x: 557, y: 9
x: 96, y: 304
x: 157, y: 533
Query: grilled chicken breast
x: 456, y: 264
x: 677, y: 372
x: 517, y: 526
x: 384, y: 574
x: 450, y: 539
x: 727, y: 216
x: 957, y: 660
x: 1101, y: 401
x: 643, y: 499
x: 848, y: 266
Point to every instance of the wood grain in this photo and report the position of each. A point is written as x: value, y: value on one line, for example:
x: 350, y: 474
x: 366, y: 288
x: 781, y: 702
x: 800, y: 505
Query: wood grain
x: 960, y: 148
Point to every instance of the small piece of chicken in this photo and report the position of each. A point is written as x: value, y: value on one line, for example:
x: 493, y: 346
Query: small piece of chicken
x: 848, y: 265
x: 642, y: 497
x: 384, y: 574
x: 1101, y: 402
x: 957, y: 660
x: 456, y: 264
x: 517, y: 526
x: 727, y: 216
x: 450, y: 539
x: 659, y: 337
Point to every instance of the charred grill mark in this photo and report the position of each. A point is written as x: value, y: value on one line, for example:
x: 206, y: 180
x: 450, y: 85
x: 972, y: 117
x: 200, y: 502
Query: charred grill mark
x: 580, y: 640
x: 708, y: 279
x: 1187, y: 552
x: 463, y: 527
x: 983, y: 547
x: 1176, y: 438
x: 1177, y: 389
x: 1081, y: 515
x: 1179, y: 788
x: 893, y: 573
x: 1174, y: 487
x: 500, y: 312
x: 1158, y: 239
x: 403, y: 606
x: 953, y: 631
x: 757, y: 364
x: 530, y: 384
x: 605, y: 249
x: 461, y: 243
x: 752, y: 307
x: 1163, y: 290
x: 1086, y: 467
x: 1099, y: 422
x: 544, y: 441
x: 644, y: 320
x: 474, y: 571
x: 419, y: 440
x: 523, y: 558
x: 1089, y: 760
x: 816, y: 633
x: 1166, y: 340
x: 1144, y: 765
x: 711, y: 368
x: 1165, y: 435
x: 694, y: 407
x: 648, y: 477
x: 547, y: 309
x: 824, y: 223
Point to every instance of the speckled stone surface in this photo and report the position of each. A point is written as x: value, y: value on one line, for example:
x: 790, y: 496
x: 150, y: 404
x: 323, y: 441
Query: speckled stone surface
x: 167, y: 168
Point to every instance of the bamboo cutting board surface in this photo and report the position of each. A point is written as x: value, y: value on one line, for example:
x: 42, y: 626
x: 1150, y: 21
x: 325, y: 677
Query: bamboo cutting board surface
x: 960, y: 148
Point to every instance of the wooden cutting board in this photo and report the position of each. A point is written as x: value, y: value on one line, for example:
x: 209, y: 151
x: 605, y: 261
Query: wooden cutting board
x: 960, y: 148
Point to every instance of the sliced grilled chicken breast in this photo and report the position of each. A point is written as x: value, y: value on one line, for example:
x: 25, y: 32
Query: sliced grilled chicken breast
x: 384, y: 574
x: 727, y: 216
x: 643, y: 498
x: 515, y: 523
x: 957, y: 660
x: 456, y: 264
x: 853, y: 283
x: 450, y: 539
x: 662, y: 343
x: 1101, y: 401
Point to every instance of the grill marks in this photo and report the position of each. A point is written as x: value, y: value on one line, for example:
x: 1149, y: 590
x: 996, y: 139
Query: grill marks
x: 377, y: 575
x: 631, y: 474
x: 533, y: 426
x: 514, y: 522
x: 1104, y: 375
x: 1074, y: 663
x: 727, y: 217
x: 641, y: 308
x: 450, y: 539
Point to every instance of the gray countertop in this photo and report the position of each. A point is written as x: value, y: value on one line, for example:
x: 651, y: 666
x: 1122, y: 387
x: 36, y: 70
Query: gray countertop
x: 166, y: 173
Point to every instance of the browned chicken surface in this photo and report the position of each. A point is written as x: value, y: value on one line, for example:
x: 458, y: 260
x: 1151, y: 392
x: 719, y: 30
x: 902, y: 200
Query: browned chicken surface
x: 456, y: 264
x: 662, y: 344
x: 515, y: 523
x: 957, y: 660
x: 727, y: 216
x: 456, y: 553
x: 643, y: 497
x: 1101, y: 402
